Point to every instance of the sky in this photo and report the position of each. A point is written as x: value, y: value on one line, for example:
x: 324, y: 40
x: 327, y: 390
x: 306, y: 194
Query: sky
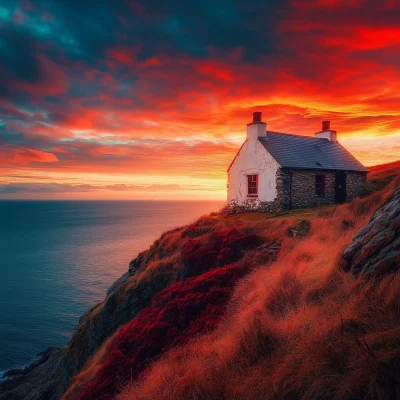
x: 149, y: 99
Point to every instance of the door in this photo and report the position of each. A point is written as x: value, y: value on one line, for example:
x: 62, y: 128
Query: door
x: 340, y: 187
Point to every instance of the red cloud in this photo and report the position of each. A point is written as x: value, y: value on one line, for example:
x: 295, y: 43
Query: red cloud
x: 25, y: 156
x: 366, y: 38
x: 216, y: 70
x: 185, y: 116
x: 124, y: 55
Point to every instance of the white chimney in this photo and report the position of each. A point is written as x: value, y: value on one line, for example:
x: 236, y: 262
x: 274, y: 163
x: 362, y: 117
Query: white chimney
x: 327, y: 132
x: 257, y: 128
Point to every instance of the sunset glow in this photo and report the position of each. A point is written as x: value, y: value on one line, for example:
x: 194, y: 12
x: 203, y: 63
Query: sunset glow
x: 150, y: 100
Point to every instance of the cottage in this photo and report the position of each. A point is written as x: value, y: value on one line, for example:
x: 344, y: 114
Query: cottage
x: 279, y: 171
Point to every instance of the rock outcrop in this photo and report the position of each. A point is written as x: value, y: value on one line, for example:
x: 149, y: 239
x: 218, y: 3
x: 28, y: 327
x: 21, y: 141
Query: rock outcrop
x: 301, y: 229
x: 43, y: 379
x: 375, y: 250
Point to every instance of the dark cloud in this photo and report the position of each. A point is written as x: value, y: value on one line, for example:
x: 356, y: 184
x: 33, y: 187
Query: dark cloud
x: 86, y: 31
x: 19, y: 57
x: 152, y: 86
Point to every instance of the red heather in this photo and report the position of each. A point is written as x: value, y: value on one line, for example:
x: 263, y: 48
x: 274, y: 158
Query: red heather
x: 178, y: 313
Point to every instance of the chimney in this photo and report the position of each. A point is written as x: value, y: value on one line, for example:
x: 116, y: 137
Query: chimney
x: 256, y: 128
x: 257, y: 116
x: 327, y: 132
x: 326, y: 125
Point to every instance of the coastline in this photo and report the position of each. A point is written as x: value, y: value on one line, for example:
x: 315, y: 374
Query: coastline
x: 72, y: 253
x: 49, y: 365
x: 25, y: 369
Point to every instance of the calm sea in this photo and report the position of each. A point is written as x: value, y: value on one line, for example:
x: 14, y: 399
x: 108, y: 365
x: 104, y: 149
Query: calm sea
x: 58, y: 258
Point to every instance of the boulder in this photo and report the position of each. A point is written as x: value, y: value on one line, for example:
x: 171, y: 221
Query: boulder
x: 270, y: 250
x: 301, y: 229
x: 375, y: 250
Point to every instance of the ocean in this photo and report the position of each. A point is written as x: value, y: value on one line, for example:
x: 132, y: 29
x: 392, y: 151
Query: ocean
x: 58, y: 258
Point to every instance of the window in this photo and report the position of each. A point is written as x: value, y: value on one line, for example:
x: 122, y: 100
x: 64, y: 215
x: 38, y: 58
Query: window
x: 252, y: 185
x: 320, y: 185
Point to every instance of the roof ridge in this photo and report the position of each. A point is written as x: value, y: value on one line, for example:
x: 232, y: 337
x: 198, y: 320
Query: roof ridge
x: 292, y: 134
x: 296, y: 151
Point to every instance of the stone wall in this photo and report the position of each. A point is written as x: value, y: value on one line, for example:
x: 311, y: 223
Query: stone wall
x: 355, y: 184
x: 283, y: 187
x: 303, y: 188
x: 296, y: 189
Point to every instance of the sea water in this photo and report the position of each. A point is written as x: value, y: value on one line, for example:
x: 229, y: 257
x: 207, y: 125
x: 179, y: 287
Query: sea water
x: 58, y: 258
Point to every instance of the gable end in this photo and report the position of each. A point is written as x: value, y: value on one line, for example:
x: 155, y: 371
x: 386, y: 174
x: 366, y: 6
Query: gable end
x: 241, y: 147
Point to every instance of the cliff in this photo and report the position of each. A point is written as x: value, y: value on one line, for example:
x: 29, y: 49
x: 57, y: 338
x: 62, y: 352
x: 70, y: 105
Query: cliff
x: 296, y: 305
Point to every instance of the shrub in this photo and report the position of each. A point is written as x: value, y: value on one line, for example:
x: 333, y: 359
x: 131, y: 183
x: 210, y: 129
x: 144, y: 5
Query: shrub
x: 195, y: 231
x: 223, y: 247
x: 176, y: 314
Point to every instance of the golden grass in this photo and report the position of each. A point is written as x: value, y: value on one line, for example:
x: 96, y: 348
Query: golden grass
x: 297, y: 328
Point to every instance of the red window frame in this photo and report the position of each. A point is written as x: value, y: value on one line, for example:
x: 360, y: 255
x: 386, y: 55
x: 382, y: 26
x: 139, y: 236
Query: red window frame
x: 252, y: 185
x: 320, y: 185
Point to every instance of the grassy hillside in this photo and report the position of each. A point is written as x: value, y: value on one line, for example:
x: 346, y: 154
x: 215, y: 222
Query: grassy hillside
x: 252, y: 306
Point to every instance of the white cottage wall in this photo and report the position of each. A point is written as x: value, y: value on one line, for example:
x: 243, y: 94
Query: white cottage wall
x: 252, y: 159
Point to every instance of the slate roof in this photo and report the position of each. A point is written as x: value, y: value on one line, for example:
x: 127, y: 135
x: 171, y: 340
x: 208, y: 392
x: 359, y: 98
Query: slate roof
x: 305, y: 152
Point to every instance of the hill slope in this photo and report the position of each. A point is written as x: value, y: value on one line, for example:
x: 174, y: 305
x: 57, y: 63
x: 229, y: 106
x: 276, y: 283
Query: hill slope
x: 246, y: 306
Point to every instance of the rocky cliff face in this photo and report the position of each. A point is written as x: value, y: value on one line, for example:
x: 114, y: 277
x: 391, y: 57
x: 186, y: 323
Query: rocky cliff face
x: 375, y: 250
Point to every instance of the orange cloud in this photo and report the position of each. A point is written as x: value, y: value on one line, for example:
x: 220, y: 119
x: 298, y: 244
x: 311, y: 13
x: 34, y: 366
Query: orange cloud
x: 24, y: 156
x: 176, y: 109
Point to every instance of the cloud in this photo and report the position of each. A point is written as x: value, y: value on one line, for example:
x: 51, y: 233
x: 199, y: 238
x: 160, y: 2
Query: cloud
x: 45, y: 188
x: 26, y: 69
x: 145, y: 88
x: 25, y: 156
